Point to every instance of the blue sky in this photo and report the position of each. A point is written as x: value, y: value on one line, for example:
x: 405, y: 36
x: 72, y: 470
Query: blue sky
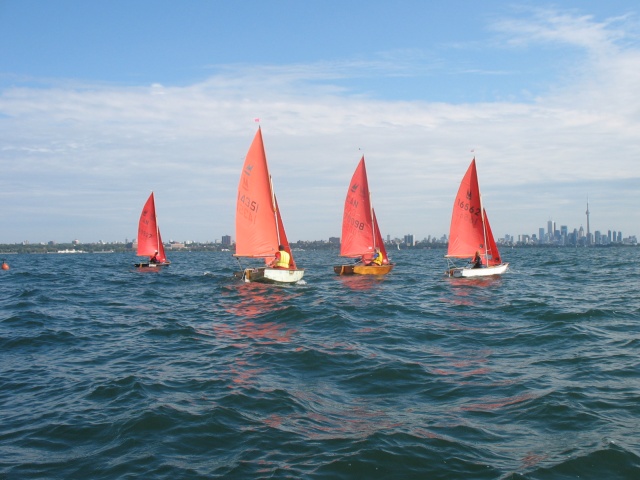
x: 102, y: 102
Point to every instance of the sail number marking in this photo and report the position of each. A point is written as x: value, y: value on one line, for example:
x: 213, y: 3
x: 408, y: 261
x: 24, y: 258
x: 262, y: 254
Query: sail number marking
x: 467, y: 208
x: 355, y: 223
x: 250, y: 204
x: 248, y: 208
x: 474, y: 212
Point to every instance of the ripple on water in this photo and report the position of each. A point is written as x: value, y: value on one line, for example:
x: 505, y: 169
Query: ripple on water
x: 107, y: 372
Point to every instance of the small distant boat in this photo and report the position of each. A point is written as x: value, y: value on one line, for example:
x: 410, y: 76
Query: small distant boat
x: 259, y: 227
x: 149, y: 239
x: 361, y: 236
x: 470, y: 232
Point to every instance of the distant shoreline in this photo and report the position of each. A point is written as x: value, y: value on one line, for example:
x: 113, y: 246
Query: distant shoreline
x: 70, y: 249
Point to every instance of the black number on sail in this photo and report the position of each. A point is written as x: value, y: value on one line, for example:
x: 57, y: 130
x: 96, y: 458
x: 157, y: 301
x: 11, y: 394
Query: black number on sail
x: 251, y: 204
x: 358, y: 225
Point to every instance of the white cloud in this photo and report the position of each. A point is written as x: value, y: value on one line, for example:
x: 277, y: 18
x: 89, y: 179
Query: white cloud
x: 90, y: 154
x: 581, y: 31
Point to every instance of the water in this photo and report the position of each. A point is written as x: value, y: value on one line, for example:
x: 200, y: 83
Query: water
x: 109, y: 373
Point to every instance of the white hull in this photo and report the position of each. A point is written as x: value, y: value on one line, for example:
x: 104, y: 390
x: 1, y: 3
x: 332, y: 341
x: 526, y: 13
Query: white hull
x: 464, y: 272
x: 273, y: 275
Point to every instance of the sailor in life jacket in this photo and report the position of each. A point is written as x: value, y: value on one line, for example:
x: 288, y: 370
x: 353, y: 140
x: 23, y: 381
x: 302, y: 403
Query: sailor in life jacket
x: 282, y: 258
x: 377, y: 258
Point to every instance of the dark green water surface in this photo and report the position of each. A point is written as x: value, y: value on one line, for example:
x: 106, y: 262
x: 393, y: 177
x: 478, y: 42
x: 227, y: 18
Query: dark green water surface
x: 110, y: 373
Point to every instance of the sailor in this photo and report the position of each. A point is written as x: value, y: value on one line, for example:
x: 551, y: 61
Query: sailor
x: 282, y: 258
x: 377, y: 257
x: 154, y: 259
x: 476, y: 261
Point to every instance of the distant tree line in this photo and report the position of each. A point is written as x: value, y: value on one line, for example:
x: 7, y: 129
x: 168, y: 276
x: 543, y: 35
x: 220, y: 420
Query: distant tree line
x: 53, y: 247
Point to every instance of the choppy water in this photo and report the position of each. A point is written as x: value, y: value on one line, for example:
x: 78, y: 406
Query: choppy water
x: 109, y: 373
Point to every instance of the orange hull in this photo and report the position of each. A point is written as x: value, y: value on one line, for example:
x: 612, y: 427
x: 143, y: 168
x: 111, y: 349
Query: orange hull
x: 363, y: 269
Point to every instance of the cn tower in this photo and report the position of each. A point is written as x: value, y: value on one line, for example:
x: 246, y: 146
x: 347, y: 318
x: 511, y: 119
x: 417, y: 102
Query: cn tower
x: 588, y: 231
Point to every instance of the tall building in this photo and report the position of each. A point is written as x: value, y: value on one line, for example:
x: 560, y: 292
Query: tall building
x: 573, y: 237
x: 564, y: 230
x: 226, y: 240
x: 588, y: 231
x: 549, y: 230
x: 408, y: 240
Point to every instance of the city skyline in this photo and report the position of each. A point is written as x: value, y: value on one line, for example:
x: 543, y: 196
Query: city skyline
x: 551, y: 226
x: 102, y: 103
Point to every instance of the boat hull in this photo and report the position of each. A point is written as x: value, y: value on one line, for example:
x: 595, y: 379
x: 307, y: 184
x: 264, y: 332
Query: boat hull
x: 465, y: 272
x: 273, y: 275
x: 151, y: 265
x: 363, y: 269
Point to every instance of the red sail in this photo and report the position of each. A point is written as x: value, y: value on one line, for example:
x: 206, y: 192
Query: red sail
x: 493, y: 255
x: 283, y: 235
x: 148, y: 229
x: 161, y: 257
x: 466, y: 235
x: 256, y: 224
x: 379, y: 240
x: 357, y: 222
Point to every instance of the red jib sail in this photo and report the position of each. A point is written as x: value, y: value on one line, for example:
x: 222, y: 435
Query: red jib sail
x: 283, y: 236
x: 379, y: 240
x: 161, y: 257
x: 357, y: 220
x: 493, y: 255
x: 258, y: 220
x: 466, y: 234
x: 149, y: 240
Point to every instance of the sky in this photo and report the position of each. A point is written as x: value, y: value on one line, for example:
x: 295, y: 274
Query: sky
x: 103, y: 102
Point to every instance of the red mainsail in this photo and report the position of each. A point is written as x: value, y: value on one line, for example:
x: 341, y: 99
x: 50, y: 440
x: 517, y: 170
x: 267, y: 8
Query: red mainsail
x: 259, y: 228
x: 357, y: 220
x: 149, y: 240
x: 467, y: 233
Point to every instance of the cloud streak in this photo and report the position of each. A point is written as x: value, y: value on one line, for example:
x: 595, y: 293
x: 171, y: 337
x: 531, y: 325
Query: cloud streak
x: 79, y: 160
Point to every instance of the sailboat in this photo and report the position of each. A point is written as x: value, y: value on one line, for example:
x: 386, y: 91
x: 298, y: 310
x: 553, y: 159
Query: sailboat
x: 149, y: 239
x: 470, y: 232
x: 361, y: 236
x: 259, y: 228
